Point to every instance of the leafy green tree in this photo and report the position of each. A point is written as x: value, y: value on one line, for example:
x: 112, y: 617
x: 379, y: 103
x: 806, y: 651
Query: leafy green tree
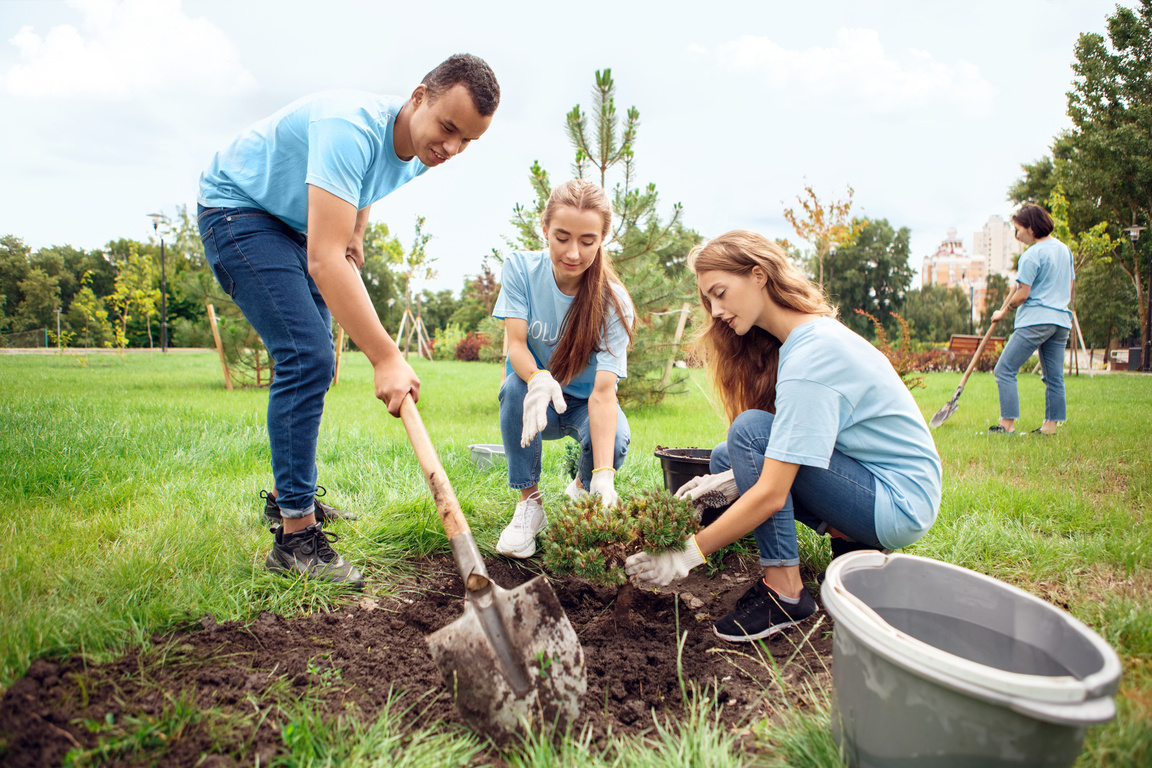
x: 827, y: 226
x: 437, y: 308
x: 383, y: 254
x: 134, y: 294
x: 477, y: 300
x: 1110, y: 105
x: 88, y: 316
x: 13, y: 270
x: 37, y: 309
x: 415, y: 267
x: 871, y: 273
x: 657, y: 284
x: 934, y: 312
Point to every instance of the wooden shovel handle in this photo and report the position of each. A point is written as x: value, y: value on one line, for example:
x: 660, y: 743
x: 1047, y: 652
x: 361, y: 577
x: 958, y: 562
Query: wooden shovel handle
x: 442, y: 494
x: 984, y: 342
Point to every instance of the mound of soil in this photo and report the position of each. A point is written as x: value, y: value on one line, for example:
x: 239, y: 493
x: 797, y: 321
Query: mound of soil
x: 353, y: 657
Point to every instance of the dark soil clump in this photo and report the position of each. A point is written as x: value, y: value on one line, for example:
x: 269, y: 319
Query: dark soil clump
x: 350, y: 660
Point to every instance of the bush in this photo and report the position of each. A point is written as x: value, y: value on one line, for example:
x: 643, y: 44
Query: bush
x: 907, y: 359
x: 446, y: 341
x: 468, y: 349
x: 492, y: 329
x: 591, y: 541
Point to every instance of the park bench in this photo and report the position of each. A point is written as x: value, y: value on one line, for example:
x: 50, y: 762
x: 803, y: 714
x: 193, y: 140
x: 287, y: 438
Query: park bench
x: 963, y: 345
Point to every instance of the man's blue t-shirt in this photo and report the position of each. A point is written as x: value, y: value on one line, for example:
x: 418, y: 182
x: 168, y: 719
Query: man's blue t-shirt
x: 339, y: 141
x: 1046, y: 268
x: 528, y: 292
x: 835, y: 391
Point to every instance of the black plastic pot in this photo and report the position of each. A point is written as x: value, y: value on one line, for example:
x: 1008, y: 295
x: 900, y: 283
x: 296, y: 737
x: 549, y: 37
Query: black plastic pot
x: 682, y: 464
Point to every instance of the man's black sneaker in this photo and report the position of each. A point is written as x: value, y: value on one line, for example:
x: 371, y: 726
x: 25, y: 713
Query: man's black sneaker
x: 310, y: 552
x: 761, y: 613
x: 323, y: 511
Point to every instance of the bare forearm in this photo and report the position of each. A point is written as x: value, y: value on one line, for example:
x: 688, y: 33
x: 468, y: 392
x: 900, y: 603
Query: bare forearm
x: 602, y: 425
x: 349, y: 303
x: 757, y: 504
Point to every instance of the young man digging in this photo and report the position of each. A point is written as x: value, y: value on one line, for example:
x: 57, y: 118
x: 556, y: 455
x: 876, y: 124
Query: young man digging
x: 281, y: 211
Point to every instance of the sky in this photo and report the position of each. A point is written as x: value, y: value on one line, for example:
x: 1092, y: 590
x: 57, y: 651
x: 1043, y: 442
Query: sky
x: 927, y: 109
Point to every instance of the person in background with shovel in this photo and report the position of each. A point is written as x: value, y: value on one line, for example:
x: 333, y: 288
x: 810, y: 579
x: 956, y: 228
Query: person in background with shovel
x: 823, y: 431
x: 569, y: 324
x: 1043, y: 321
x: 281, y: 212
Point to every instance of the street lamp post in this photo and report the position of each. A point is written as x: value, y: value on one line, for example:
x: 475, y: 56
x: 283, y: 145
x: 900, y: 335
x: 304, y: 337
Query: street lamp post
x: 59, y: 344
x: 156, y: 218
x: 971, y: 309
x: 1134, y: 233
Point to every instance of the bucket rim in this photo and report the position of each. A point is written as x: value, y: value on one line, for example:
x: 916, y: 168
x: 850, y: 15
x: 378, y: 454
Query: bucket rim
x: 906, y: 651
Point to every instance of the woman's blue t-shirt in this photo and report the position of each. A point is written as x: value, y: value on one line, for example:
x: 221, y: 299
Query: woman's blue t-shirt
x: 528, y: 291
x: 835, y: 391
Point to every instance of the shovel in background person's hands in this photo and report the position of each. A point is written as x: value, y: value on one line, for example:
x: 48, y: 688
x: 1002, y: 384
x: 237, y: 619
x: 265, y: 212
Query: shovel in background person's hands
x: 950, y: 407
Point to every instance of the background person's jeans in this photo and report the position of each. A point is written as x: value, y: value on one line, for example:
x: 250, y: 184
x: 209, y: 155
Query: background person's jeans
x: 263, y: 265
x: 1049, y: 341
x: 842, y: 496
x: 524, y: 463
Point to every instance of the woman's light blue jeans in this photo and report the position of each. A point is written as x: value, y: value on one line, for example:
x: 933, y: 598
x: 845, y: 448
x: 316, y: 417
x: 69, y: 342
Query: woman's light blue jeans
x: 1049, y: 342
x: 524, y: 463
x: 843, y: 496
x: 262, y: 263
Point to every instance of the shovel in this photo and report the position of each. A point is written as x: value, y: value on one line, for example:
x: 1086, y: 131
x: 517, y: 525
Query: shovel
x: 951, y: 406
x: 512, y: 661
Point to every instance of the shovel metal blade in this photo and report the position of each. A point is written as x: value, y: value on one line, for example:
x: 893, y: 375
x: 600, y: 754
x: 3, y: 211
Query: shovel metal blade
x: 949, y: 408
x: 524, y: 628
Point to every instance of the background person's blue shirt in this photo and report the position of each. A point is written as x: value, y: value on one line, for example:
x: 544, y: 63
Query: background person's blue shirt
x: 339, y: 141
x: 835, y: 391
x: 1046, y: 268
x: 528, y: 291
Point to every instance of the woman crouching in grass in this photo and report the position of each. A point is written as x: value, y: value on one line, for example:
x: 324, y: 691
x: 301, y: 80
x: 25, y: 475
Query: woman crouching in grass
x: 823, y: 431
x: 568, y: 320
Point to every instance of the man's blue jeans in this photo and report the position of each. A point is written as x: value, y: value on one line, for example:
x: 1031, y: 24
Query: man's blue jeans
x: 843, y: 496
x: 262, y: 263
x: 1049, y: 342
x: 524, y: 463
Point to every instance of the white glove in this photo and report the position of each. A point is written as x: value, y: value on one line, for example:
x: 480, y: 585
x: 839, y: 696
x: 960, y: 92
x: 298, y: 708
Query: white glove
x: 724, y: 483
x: 604, y: 483
x: 665, y: 568
x: 543, y: 390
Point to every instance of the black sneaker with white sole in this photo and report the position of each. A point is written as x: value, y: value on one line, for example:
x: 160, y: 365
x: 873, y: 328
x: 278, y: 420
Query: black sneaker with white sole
x: 323, y: 512
x: 309, y: 552
x: 760, y: 613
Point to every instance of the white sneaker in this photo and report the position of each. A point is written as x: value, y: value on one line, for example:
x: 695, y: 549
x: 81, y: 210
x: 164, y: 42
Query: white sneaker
x: 519, y: 538
x: 574, y: 491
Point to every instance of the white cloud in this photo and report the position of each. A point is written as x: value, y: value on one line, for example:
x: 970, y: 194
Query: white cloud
x: 125, y: 50
x: 859, y: 74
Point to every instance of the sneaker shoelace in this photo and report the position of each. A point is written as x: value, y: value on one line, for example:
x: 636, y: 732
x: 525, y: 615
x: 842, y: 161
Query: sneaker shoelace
x: 321, y: 544
x: 522, y: 517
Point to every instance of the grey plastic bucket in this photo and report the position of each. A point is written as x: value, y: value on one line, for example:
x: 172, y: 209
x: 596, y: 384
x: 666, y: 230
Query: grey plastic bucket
x: 485, y: 455
x: 937, y: 665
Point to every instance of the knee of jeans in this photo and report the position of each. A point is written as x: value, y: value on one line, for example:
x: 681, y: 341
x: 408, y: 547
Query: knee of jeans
x: 749, y: 424
x: 718, y: 460
x: 514, y: 388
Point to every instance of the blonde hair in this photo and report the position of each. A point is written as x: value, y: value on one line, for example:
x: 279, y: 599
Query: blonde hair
x: 743, y: 368
x: 594, y: 297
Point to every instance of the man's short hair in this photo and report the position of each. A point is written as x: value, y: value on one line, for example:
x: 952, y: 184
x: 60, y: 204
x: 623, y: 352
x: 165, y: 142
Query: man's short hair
x: 470, y: 71
x: 1036, y: 219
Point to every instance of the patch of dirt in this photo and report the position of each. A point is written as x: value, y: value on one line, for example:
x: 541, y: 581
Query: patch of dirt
x: 351, y: 658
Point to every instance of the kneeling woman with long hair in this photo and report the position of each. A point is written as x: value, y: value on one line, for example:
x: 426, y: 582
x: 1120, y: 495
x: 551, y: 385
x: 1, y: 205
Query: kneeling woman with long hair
x: 568, y: 320
x: 823, y: 432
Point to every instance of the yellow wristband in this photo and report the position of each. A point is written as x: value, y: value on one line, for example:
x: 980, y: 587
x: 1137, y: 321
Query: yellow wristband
x: 693, y: 540
x: 601, y: 469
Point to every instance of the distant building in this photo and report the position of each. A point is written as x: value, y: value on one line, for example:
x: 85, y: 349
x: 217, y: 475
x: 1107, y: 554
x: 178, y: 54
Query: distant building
x: 997, y: 245
x: 952, y: 265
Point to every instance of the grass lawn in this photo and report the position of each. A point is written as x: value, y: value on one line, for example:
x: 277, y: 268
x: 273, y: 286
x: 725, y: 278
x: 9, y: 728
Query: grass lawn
x: 130, y: 489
